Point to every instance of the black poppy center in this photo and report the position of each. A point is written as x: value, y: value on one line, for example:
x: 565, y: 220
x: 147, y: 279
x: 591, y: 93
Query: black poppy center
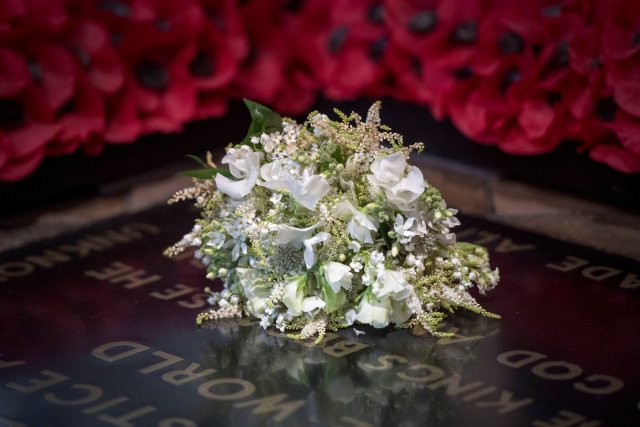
x: 465, y: 33
x: 510, y: 78
x: 11, y: 114
x: 163, y: 25
x: 635, y: 40
x: 423, y: 22
x: 375, y: 14
x: 152, y: 75
x: 377, y: 49
x: 560, y: 56
x: 606, y: 109
x: 202, y: 65
x: 463, y: 73
x: 337, y: 39
x: 116, y: 7
x: 116, y: 38
x: 35, y: 70
x: 294, y: 5
x: 553, y: 98
x: 510, y: 43
x: 82, y: 55
x: 553, y: 11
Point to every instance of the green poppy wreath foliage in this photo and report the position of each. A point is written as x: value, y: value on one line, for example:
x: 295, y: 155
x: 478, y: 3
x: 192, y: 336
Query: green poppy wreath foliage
x: 323, y: 225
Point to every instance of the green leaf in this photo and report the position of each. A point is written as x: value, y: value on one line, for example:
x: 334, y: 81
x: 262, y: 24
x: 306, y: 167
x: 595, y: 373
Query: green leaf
x: 466, y: 246
x: 206, y: 173
x: 197, y: 159
x: 333, y: 300
x: 263, y: 120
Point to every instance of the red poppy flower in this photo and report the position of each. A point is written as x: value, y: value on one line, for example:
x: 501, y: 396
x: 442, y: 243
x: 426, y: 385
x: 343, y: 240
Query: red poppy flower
x: 215, y: 59
x: 91, y: 44
x: 26, y: 119
x: 29, y: 22
x: 81, y: 119
x: 616, y: 156
x: 261, y: 74
x: 343, y: 45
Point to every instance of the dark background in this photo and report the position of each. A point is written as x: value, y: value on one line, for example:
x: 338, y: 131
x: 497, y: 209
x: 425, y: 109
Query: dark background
x: 158, y: 155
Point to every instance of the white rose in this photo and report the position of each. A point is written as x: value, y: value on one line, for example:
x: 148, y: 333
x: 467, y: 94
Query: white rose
x: 374, y: 312
x: 309, y: 189
x: 337, y: 275
x: 244, y: 164
x: 392, y: 284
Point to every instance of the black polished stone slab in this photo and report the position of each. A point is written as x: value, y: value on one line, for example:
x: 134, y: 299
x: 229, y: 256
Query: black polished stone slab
x: 97, y: 329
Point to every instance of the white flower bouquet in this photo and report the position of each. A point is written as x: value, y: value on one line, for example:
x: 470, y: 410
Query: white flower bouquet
x: 323, y: 225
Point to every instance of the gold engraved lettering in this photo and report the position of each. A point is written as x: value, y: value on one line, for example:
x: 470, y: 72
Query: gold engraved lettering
x: 176, y: 422
x: 92, y: 393
x: 176, y: 291
x: 115, y: 268
x: 169, y: 359
x: 5, y: 364
x: 197, y: 301
x: 273, y: 403
x: 48, y: 258
x: 343, y: 348
x: 384, y: 363
x: 330, y: 336
x: 630, y: 282
x: 453, y: 387
x: 600, y: 272
x: 135, y: 279
x: 82, y: 248
x: 138, y: 228
x: 105, y: 405
x: 433, y: 373
x: 479, y: 393
x: 611, y: 385
x: 246, y: 389
x: 505, y: 403
x: 130, y: 348
x: 16, y: 269
x: 506, y: 246
x: 569, y: 263
x: 39, y: 384
x: 180, y: 377
x: 486, y: 238
x: 569, y: 370
x: 123, y: 420
x: 566, y: 419
x: 457, y: 338
x: 522, y: 358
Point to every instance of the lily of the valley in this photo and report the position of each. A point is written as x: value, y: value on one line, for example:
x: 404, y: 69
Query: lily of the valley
x: 244, y: 164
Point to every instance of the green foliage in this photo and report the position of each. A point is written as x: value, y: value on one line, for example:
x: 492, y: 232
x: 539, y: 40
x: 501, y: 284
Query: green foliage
x: 263, y: 120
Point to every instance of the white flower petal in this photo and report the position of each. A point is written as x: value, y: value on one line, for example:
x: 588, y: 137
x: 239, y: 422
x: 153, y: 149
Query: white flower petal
x: 309, y: 254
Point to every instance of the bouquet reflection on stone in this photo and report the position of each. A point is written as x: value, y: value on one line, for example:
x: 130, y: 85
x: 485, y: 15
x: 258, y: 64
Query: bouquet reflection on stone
x: 368, y: 385
x: 322, y: 225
